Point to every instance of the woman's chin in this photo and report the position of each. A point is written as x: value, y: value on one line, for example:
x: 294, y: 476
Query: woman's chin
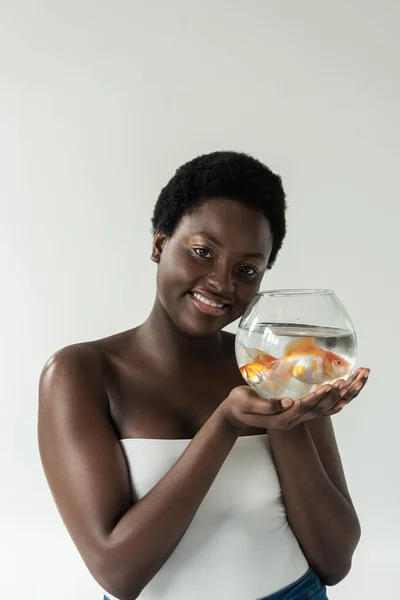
x: 199, y: 327
x: 199, y: 330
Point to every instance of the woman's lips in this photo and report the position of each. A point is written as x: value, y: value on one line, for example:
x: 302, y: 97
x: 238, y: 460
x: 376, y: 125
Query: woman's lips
x: 206, y: 305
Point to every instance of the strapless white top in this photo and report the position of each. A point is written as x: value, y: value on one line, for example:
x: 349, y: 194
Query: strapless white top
x: 239, y: 546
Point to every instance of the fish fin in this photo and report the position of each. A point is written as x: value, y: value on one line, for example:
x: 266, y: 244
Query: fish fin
x: 252, y: 352
x: 256, y: 352
x: 265, y: 358
x: 300, y: 345
x: 258, y: 356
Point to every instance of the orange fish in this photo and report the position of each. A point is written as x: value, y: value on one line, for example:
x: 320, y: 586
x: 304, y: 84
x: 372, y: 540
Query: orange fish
x: 303, y: 360
x: 257, y: 371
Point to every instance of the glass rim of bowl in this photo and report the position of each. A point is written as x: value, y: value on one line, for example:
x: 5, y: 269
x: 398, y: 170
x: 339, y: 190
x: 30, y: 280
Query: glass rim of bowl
x: 296, y: 292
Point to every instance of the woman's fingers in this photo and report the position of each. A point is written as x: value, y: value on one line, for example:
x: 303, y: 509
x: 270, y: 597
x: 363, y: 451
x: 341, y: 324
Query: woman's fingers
x: 354, y: 387
x: 326, y: 401
x: 350, y: 390
x: 353, y: 377
x: 336, y: 409
x: 314, y: 405
x: 339, y: 384
x: 321, y: 400
x: 255, y: 405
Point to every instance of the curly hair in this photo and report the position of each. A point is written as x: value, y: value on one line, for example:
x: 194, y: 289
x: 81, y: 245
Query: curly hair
x: 223, y: 174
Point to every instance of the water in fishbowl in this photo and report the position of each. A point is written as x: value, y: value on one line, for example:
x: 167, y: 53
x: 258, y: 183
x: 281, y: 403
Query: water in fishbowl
x: 292, y: 360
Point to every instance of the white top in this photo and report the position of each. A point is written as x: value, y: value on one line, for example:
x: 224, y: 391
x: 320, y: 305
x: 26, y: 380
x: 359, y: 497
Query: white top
x: 239, y: 545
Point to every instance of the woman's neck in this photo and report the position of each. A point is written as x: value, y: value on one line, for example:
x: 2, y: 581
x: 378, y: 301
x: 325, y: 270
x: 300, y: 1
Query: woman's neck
x: 160, y: 337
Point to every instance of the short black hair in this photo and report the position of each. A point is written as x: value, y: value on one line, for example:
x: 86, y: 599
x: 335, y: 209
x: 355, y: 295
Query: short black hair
x: 224, y: 174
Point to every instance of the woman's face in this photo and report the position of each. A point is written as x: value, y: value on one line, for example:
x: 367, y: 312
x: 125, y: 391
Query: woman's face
x: 217, y: 254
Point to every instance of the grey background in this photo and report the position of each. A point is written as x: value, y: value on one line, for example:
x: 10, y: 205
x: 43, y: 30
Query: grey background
x: 100, y: 102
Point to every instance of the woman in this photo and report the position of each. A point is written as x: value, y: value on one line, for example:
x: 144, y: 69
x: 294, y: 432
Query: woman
x: 174, y: 479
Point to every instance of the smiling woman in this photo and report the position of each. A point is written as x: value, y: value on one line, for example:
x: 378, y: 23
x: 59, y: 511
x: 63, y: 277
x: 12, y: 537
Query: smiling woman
x: 175, y: 480
x: 218, y: 253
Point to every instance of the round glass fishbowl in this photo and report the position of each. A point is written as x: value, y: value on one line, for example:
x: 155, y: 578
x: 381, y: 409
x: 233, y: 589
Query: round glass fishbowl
x: 290, y: 342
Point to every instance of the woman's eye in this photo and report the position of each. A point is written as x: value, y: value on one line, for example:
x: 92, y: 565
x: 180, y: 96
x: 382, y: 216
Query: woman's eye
x: 246, y: 270
x: 203, y: 252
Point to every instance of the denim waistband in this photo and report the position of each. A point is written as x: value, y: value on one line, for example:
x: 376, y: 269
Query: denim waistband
x: 308, y: 586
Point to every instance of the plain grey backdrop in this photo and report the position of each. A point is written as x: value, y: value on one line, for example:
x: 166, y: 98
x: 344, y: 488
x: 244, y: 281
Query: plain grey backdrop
x: 100, y: 102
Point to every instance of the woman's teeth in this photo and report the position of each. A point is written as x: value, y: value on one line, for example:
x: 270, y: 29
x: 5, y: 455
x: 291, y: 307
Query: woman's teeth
x: 206, y: 301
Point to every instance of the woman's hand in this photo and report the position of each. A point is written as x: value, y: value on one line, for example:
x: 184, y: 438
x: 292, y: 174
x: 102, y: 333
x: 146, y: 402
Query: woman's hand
x: 349, y: 390
x: 245, y: 408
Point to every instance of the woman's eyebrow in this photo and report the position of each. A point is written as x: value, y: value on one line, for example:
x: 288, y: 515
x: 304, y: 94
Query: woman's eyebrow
x: 210, y: 237
x: 215, y: 241
x: 259, y: 255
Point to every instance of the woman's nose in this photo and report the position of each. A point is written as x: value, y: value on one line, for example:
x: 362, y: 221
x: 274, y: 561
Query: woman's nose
x: 221, y: 281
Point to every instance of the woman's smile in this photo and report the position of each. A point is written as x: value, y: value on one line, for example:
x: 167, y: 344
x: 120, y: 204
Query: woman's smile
x: 208, y: 304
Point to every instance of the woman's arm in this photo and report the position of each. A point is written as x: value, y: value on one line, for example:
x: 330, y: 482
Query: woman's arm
x: 123, y: 543
x: 324, y: 439
x: 315, y: 493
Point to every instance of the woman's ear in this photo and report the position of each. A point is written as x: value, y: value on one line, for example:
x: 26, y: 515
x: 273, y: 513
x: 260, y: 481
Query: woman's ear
x: 159, y: 241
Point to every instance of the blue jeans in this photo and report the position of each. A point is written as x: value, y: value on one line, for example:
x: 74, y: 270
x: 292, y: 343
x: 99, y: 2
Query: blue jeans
x: 307, y: 587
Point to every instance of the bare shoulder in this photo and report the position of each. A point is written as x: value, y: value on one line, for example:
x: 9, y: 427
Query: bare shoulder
x: 88, y: 359
x: 73, y: 359
x: 76, y: 379
x: 71, y: 394
x: 70, y: 366
x: 72, y: 354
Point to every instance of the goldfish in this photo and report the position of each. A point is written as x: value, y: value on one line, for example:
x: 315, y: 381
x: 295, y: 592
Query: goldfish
x: 258, y: 370
x: 259, y: 373
x: 303, y: 360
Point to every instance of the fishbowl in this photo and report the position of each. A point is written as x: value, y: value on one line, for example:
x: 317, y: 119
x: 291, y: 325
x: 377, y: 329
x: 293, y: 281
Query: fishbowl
x: 290, y: 342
